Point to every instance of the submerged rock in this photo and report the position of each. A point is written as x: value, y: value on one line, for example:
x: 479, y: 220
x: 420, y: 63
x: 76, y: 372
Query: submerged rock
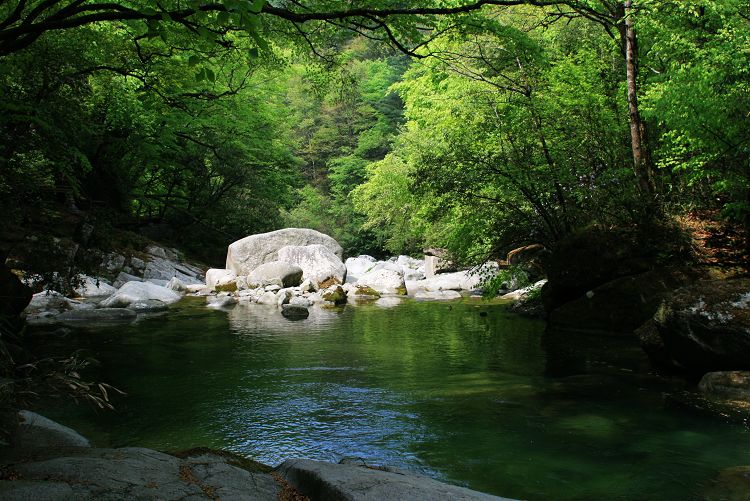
x: 294, y: 312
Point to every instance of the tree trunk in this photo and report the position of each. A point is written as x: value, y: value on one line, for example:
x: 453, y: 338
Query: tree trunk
x: 642, y: 162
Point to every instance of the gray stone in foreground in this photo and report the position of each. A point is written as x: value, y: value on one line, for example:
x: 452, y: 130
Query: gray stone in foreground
x: 38, y: 432
x: 347, y: 482
x: 135, y: 473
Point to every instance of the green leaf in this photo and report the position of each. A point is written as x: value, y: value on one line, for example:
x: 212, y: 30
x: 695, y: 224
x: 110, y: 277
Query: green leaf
x: 194, y: 60
x: 210, y: 76
x: 222, y: 18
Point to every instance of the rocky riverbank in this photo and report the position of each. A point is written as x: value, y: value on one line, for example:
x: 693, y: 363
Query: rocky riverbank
x: 48, y: 461
x: 291, y: 269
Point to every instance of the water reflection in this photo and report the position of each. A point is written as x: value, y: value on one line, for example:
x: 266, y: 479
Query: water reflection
x: 251, y: 318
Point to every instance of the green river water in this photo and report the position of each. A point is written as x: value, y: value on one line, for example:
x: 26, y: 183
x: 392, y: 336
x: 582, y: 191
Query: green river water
x: 462, y: 391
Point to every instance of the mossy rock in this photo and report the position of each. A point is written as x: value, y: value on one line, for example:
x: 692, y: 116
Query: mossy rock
x: 228, y: 287
x: 336, y: 296
x: 364, y: 290
x: 401, y: 291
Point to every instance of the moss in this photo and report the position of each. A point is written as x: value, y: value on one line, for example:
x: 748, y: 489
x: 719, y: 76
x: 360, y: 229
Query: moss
x: 228, y: 287
x: 364, y: 290
x: 337, y: 296
x: 401, y: 291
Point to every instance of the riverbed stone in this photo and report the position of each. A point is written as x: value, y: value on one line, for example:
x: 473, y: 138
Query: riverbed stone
x: 319, y: 480
x: 133, y: 292
x: 244, y: 255
x: 318, y: 262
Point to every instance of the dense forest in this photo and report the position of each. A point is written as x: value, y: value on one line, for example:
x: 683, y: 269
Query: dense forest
x: 391, y: 128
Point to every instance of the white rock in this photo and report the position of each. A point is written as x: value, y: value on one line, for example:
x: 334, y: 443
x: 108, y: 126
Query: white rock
x: 519, y: 294
x: 300, y: 301
x: 193, y: 288
x: 219, y: 276
x: 384, y: 280
x: 133, y: 292
x: 268, y: 298
x: 93, y: 287
x: 317, y: 261
x: 48, y: 302
x: 283, y: 296
x: 410, y: 262
x: 246, y: 254
x: 358, y: 266
x: 308, y: 286
x: 276, y: 272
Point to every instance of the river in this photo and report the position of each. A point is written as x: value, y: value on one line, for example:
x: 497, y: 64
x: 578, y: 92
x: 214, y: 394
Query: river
x: 462, y: 391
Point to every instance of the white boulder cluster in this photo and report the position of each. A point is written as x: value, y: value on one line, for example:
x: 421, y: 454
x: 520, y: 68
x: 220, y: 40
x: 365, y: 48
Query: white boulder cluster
x: 295, y: 268
x: 144, y: 283
x: 290, y: 269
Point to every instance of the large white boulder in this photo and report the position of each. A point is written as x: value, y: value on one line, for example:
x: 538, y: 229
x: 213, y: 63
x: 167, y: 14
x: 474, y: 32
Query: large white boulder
x: 457, y: 281
x: 358, y: 266
x: 317, y: 261
x: 275, y: 272
x: 93, y: 287
x: 244, y: 255
x: 135, y: 292
x: 384, y: 280
x: 219, y: 276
